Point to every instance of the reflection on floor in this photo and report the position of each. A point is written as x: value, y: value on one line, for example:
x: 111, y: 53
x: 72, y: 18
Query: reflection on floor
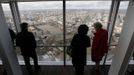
x: 61, y: 70
x: 130, y: 70
x: 69, y: 70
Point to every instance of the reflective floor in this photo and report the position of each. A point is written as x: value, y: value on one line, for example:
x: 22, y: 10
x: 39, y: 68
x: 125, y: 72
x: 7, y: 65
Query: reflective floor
x: 69, y: 70
x: 61, y: 70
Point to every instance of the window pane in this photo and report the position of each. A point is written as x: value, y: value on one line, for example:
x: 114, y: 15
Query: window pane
x: 8, y: 16
x: 45, y: 21
x: 118, y: 28
x: 46, y: 55
x: 85, y: 12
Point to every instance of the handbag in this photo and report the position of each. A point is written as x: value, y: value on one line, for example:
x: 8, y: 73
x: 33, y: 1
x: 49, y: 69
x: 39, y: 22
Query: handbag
x: 69, y: 50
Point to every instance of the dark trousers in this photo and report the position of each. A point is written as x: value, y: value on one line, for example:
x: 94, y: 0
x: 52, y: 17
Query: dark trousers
x: 27, y: 61
x: 79, y: 70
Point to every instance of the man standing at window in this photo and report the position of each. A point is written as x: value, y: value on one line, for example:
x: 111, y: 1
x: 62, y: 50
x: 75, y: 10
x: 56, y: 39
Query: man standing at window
x: 26, y: 41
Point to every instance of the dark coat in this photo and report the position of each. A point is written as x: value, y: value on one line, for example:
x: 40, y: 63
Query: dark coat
x: 79, y: 44
x: 99, y: 45
x: 26, y: 42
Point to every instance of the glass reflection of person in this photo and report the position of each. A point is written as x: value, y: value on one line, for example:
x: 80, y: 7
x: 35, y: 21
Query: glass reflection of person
x: 26, y: 41
x: 99, y: 44
x: 79, y: 44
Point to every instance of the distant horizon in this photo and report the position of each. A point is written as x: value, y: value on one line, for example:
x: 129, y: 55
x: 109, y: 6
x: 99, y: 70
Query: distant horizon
x: 62, y: 9
x: 45, y: 5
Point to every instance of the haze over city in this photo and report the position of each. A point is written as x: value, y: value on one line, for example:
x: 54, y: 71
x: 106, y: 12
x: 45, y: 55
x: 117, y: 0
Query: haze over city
x: 69, y: 5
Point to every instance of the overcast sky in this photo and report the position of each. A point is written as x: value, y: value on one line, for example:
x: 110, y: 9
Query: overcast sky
x: 69, y: 5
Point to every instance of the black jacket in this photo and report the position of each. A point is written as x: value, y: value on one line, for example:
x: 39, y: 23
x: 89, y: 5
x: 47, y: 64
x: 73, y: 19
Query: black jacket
x: 79, y: 44
x: 26, y: 42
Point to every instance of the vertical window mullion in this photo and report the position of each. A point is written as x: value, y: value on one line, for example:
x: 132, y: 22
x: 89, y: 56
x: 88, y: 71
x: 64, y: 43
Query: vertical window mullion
x: 15, y: 14
x: 113, y: 19
x: 64, y: 29
x: 113, y: 15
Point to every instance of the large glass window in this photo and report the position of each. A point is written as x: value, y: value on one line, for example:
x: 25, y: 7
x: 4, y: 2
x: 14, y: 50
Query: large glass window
x: 46, y: 22
x: 118, y: 28
x: 85, y: 12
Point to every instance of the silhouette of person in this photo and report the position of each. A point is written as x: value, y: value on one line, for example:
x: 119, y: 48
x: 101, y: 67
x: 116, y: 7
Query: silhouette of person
x: 99, y: 44
x: 79, y: 44
x: 12, y: 34
x: 26, y: 41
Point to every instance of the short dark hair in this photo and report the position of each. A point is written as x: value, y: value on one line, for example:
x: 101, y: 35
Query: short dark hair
x: 98, y: 25
x: 24, y: 25
x: 83, y: 29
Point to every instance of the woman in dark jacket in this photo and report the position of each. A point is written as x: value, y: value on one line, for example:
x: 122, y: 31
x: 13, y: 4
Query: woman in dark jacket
x: 79, y: 44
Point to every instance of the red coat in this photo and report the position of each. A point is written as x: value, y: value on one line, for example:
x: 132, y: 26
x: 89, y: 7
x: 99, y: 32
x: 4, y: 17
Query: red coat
x: 99, y: 45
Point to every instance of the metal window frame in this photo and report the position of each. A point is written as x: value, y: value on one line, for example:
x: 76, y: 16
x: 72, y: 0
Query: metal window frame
x: 15, y: 14
x: 111, y: 21
x: 64, y: 28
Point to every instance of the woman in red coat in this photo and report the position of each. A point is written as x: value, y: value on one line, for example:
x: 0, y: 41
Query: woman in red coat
x: 99, y: 45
